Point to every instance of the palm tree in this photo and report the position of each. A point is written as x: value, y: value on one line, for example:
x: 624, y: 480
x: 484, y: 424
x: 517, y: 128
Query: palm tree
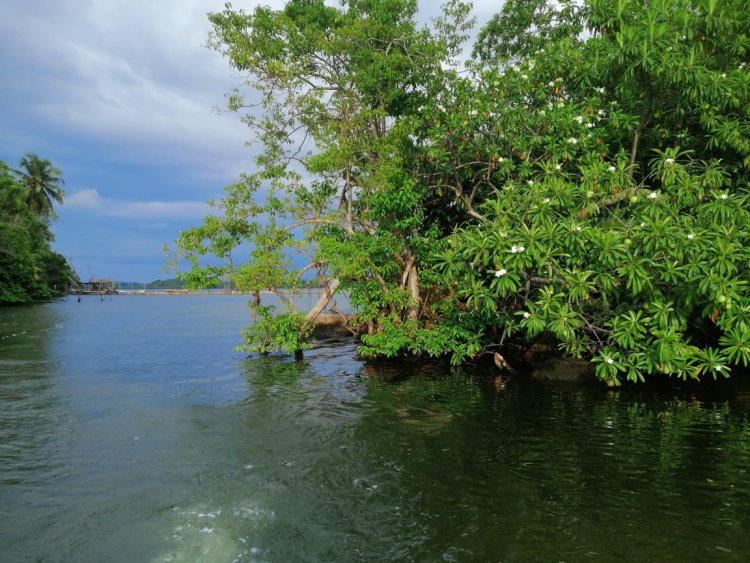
x: 42, y: 182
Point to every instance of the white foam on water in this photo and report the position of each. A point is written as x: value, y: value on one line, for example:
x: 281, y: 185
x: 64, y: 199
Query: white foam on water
x: 206, y: 534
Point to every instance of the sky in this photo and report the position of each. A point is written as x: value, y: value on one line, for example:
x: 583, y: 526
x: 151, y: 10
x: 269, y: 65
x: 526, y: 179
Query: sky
x: 122, y: 96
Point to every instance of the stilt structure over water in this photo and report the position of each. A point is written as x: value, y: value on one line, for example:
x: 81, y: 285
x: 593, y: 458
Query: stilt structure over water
x: 96, y: 286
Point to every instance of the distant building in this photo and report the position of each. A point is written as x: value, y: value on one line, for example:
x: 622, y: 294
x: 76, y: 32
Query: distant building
x: 100, y: 286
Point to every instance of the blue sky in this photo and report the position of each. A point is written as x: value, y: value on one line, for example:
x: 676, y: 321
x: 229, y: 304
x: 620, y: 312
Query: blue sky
x: 120, y: 95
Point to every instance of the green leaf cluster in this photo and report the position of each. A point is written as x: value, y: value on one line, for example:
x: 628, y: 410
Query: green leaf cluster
x: 613, y: 212
x: 30, y: 270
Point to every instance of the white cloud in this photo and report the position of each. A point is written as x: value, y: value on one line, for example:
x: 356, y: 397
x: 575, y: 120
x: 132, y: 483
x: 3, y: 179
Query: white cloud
x: 86, y: 199
x: 93, y: 201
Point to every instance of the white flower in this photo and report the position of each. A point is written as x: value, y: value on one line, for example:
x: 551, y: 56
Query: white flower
x: 573, y: 140
x: 551, y: 83
x: 610, y: 361
x: 601, y: 113
x: 600, y: 90
x: 611, y: 169
x: 501, y: 272
x: 542, y: 112
x: 546, y: 200
x: 669, y: 161
x: 579, y: 118
x: 691, y: 236
x: 516, y: 249
x: 577, y: 228
x: 742, y: 65
x: 643, y: 224
x: 473, y: 112
x: 723, y: 196
x: 526, y: 315
x: 653, y: 195
x: 558, y: 166
x: 561, y: 104
x: 525, y: 76
x: 530, y: 182
x: 589, y: 125
x: 501, y: 159
x: 723, y: 74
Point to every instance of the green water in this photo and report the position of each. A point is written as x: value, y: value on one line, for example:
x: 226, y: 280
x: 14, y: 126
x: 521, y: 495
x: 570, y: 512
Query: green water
x: 129, y: 431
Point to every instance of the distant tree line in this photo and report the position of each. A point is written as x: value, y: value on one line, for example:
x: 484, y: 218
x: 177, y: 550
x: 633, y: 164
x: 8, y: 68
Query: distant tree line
x: 29, y: 269
x: 172, y: 283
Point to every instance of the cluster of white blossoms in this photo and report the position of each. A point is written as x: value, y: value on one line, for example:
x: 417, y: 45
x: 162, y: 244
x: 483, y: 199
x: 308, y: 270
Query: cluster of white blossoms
x: 500, y: 273
x: 526, y: 315
x: 653, y: 195
x: 691, y: 236
x: 669, y: 161
x: 573, y: 140
x: 611, y: 169
x: 516, y: 249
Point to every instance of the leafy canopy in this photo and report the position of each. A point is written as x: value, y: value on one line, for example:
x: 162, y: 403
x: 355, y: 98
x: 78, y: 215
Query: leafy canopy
x: 585, y: 180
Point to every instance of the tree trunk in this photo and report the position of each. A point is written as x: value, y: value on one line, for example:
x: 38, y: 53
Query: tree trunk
x: 325, y: 298
x: 413, y: 283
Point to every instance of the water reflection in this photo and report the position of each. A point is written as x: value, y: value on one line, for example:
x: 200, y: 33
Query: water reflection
x: 147, y: 440
x: 29, y: 419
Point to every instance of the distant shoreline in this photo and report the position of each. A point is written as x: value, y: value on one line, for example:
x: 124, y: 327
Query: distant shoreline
x: 187, y: 292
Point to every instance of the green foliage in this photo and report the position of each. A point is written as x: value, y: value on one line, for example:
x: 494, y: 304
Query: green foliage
x: 270, y: 333
x: 42, y: 182
x: 334, y: 94
x: 587, y: 180
x: 613, y: 212
x: 29, y: 269
x: 523, y: 27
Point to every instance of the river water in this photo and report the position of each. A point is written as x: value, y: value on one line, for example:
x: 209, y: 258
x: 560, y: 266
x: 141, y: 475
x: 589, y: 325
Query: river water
x: 130, y: 431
